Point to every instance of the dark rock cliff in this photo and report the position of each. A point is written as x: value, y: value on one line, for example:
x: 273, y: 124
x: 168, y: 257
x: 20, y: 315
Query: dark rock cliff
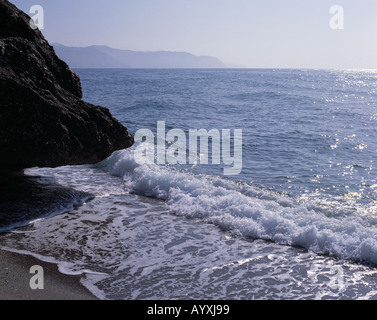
x: 43, y: 120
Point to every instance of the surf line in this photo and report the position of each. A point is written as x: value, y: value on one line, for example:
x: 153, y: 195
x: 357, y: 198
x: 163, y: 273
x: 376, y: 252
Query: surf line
x: 173, y: 147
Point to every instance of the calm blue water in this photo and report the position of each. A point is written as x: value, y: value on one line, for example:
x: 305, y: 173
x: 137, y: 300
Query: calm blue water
x: 304, y: 131
x: 298, y: 222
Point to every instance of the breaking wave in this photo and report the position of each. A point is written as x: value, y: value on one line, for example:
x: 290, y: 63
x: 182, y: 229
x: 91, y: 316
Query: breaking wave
x: 252, y: 212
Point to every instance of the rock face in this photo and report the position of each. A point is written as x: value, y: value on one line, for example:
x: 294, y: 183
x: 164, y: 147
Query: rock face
x: 43, y: 120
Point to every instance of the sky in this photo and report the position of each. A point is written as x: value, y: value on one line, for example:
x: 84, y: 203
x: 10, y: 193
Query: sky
x: 251, y: 33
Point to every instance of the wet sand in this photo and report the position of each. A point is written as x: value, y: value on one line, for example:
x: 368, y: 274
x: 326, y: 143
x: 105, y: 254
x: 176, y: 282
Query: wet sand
x: 15, y: 279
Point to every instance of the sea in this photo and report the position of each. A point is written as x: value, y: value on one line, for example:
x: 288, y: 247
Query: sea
x: 297, y: 221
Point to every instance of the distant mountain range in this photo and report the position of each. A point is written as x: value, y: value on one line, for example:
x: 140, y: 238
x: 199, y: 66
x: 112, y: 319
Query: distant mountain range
x: 106, y: 57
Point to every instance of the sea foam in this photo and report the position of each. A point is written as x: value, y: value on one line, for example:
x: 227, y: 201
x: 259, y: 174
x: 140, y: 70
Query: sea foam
x: 249, y: 211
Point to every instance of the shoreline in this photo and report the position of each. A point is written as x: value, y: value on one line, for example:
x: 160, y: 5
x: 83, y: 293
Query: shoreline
x: 15, y: 279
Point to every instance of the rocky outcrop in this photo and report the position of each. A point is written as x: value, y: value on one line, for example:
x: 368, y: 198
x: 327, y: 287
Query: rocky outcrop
x: 43, y: 120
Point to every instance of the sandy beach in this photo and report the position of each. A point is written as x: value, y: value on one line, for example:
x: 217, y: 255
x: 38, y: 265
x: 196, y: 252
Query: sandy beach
x: 15, y: 280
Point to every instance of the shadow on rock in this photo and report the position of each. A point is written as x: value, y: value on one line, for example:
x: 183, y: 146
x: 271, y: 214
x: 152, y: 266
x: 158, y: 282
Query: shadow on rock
x: 24, y: 199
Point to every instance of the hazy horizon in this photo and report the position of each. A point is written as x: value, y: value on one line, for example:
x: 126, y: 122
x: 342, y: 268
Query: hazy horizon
x: 254, y: 34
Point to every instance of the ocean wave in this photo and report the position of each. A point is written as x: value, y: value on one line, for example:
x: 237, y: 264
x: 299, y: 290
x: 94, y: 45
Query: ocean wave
x: 248, y: 211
